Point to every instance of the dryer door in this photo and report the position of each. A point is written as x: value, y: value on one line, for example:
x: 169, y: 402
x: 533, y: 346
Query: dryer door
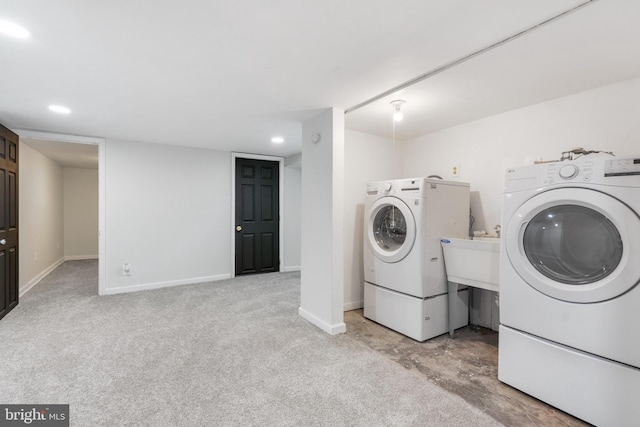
x: 575, y: 245
x: 391, y: 229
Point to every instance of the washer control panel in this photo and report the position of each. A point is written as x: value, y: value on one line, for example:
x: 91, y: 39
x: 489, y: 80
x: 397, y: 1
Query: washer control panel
x: 558, y: 172
x: 395, y: 187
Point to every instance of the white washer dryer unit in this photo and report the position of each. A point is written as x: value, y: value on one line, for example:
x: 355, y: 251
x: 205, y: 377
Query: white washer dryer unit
x: 405, y: 283
x: 569, y: 293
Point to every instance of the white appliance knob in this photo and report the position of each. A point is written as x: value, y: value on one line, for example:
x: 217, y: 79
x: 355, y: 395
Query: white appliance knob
x: 568, y: 171
x: 387, y: 186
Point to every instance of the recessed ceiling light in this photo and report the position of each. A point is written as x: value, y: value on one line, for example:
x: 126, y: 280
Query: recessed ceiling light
x: 277, y: 139
x: 13, y: 30
x: 59, y: 109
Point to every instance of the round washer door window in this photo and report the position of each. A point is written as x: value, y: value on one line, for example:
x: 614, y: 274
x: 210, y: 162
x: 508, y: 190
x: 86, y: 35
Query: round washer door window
x: 572, y: 244
x: 391, y: 229
x: 575, y: 245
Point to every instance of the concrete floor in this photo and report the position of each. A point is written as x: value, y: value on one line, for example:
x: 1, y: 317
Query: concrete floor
x: 466, y: 365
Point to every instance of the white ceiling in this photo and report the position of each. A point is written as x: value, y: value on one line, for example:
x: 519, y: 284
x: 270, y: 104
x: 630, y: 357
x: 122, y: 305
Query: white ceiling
x: 229, y: 75
x: 66, y: 154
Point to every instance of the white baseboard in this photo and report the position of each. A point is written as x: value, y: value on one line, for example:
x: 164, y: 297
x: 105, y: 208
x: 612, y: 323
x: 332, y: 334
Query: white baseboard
x: 291, y: 268
x: 40, y: 276
x: 353, y: 305
x: 335, y: 329
x: 79, y: 257
x: 158, y: 285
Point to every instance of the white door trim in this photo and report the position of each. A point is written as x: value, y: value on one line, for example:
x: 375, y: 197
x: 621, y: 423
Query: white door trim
x: 280, y: 161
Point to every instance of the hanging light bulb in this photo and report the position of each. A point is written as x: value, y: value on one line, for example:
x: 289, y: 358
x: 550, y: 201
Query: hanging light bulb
x: 397, y: 111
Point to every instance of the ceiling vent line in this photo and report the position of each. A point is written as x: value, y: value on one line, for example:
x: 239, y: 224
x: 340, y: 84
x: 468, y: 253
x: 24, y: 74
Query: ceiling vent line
x: 466, y: 58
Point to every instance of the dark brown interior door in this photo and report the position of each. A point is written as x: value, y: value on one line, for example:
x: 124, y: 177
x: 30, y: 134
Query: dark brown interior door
x: 257, y: 216
x: 8, y: 221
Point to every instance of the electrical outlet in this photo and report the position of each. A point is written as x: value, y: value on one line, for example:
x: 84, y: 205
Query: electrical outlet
x: 126, y: 269
x: 455, y: 171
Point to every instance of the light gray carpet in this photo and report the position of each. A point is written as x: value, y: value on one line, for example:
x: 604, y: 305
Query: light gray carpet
x: 227, y: 353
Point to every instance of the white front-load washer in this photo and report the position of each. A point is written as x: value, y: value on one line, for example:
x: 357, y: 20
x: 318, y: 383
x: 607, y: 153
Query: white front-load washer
x: 405, y: 285
x: 569, y: 293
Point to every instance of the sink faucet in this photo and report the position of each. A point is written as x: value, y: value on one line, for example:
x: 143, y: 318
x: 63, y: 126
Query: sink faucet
x: 498, y: 229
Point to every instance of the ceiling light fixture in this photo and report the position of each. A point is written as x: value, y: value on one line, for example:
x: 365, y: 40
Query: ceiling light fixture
x: 397, y: 110
x: 277, y: 140
x: 59, y: 109
x: 13, y: 30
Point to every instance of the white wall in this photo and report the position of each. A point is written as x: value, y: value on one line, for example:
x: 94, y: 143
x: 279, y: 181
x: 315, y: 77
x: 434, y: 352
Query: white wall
x: 367, y: 158
x: 41, y: 239
x: 80, y: 213
x: 292, y: 207
x: 167, y: 215
x: 605, y: 119
x: 322, y: 287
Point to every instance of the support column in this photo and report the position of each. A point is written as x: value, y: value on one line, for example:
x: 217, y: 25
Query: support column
x: 322, y: 287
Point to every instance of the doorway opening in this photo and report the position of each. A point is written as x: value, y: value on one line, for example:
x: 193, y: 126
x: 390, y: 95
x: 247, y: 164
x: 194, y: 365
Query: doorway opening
x: 74, y: 203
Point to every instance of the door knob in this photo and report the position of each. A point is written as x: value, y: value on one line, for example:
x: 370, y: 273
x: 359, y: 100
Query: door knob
x: 238, y: 228
x: 3, y: 241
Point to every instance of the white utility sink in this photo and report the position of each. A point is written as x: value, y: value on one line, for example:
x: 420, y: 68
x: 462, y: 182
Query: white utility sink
x: 474, y: 263
x: 485, y: 239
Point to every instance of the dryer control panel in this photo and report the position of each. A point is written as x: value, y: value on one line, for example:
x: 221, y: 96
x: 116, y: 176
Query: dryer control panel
x: 618, y: 171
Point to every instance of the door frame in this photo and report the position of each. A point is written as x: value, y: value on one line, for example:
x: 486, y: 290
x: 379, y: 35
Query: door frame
x: 102, y: 205
x: 232, y: 226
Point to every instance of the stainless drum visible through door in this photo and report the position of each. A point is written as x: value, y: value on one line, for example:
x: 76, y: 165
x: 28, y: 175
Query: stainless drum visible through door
x: 391, y: 229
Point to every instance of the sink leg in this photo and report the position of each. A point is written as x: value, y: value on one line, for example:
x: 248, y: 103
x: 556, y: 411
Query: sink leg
x: 473, y: 326
x: 453, y: 294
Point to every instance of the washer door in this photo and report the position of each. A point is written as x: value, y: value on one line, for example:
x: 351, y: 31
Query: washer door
x: 391, y: 229
x: 575, y: 245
